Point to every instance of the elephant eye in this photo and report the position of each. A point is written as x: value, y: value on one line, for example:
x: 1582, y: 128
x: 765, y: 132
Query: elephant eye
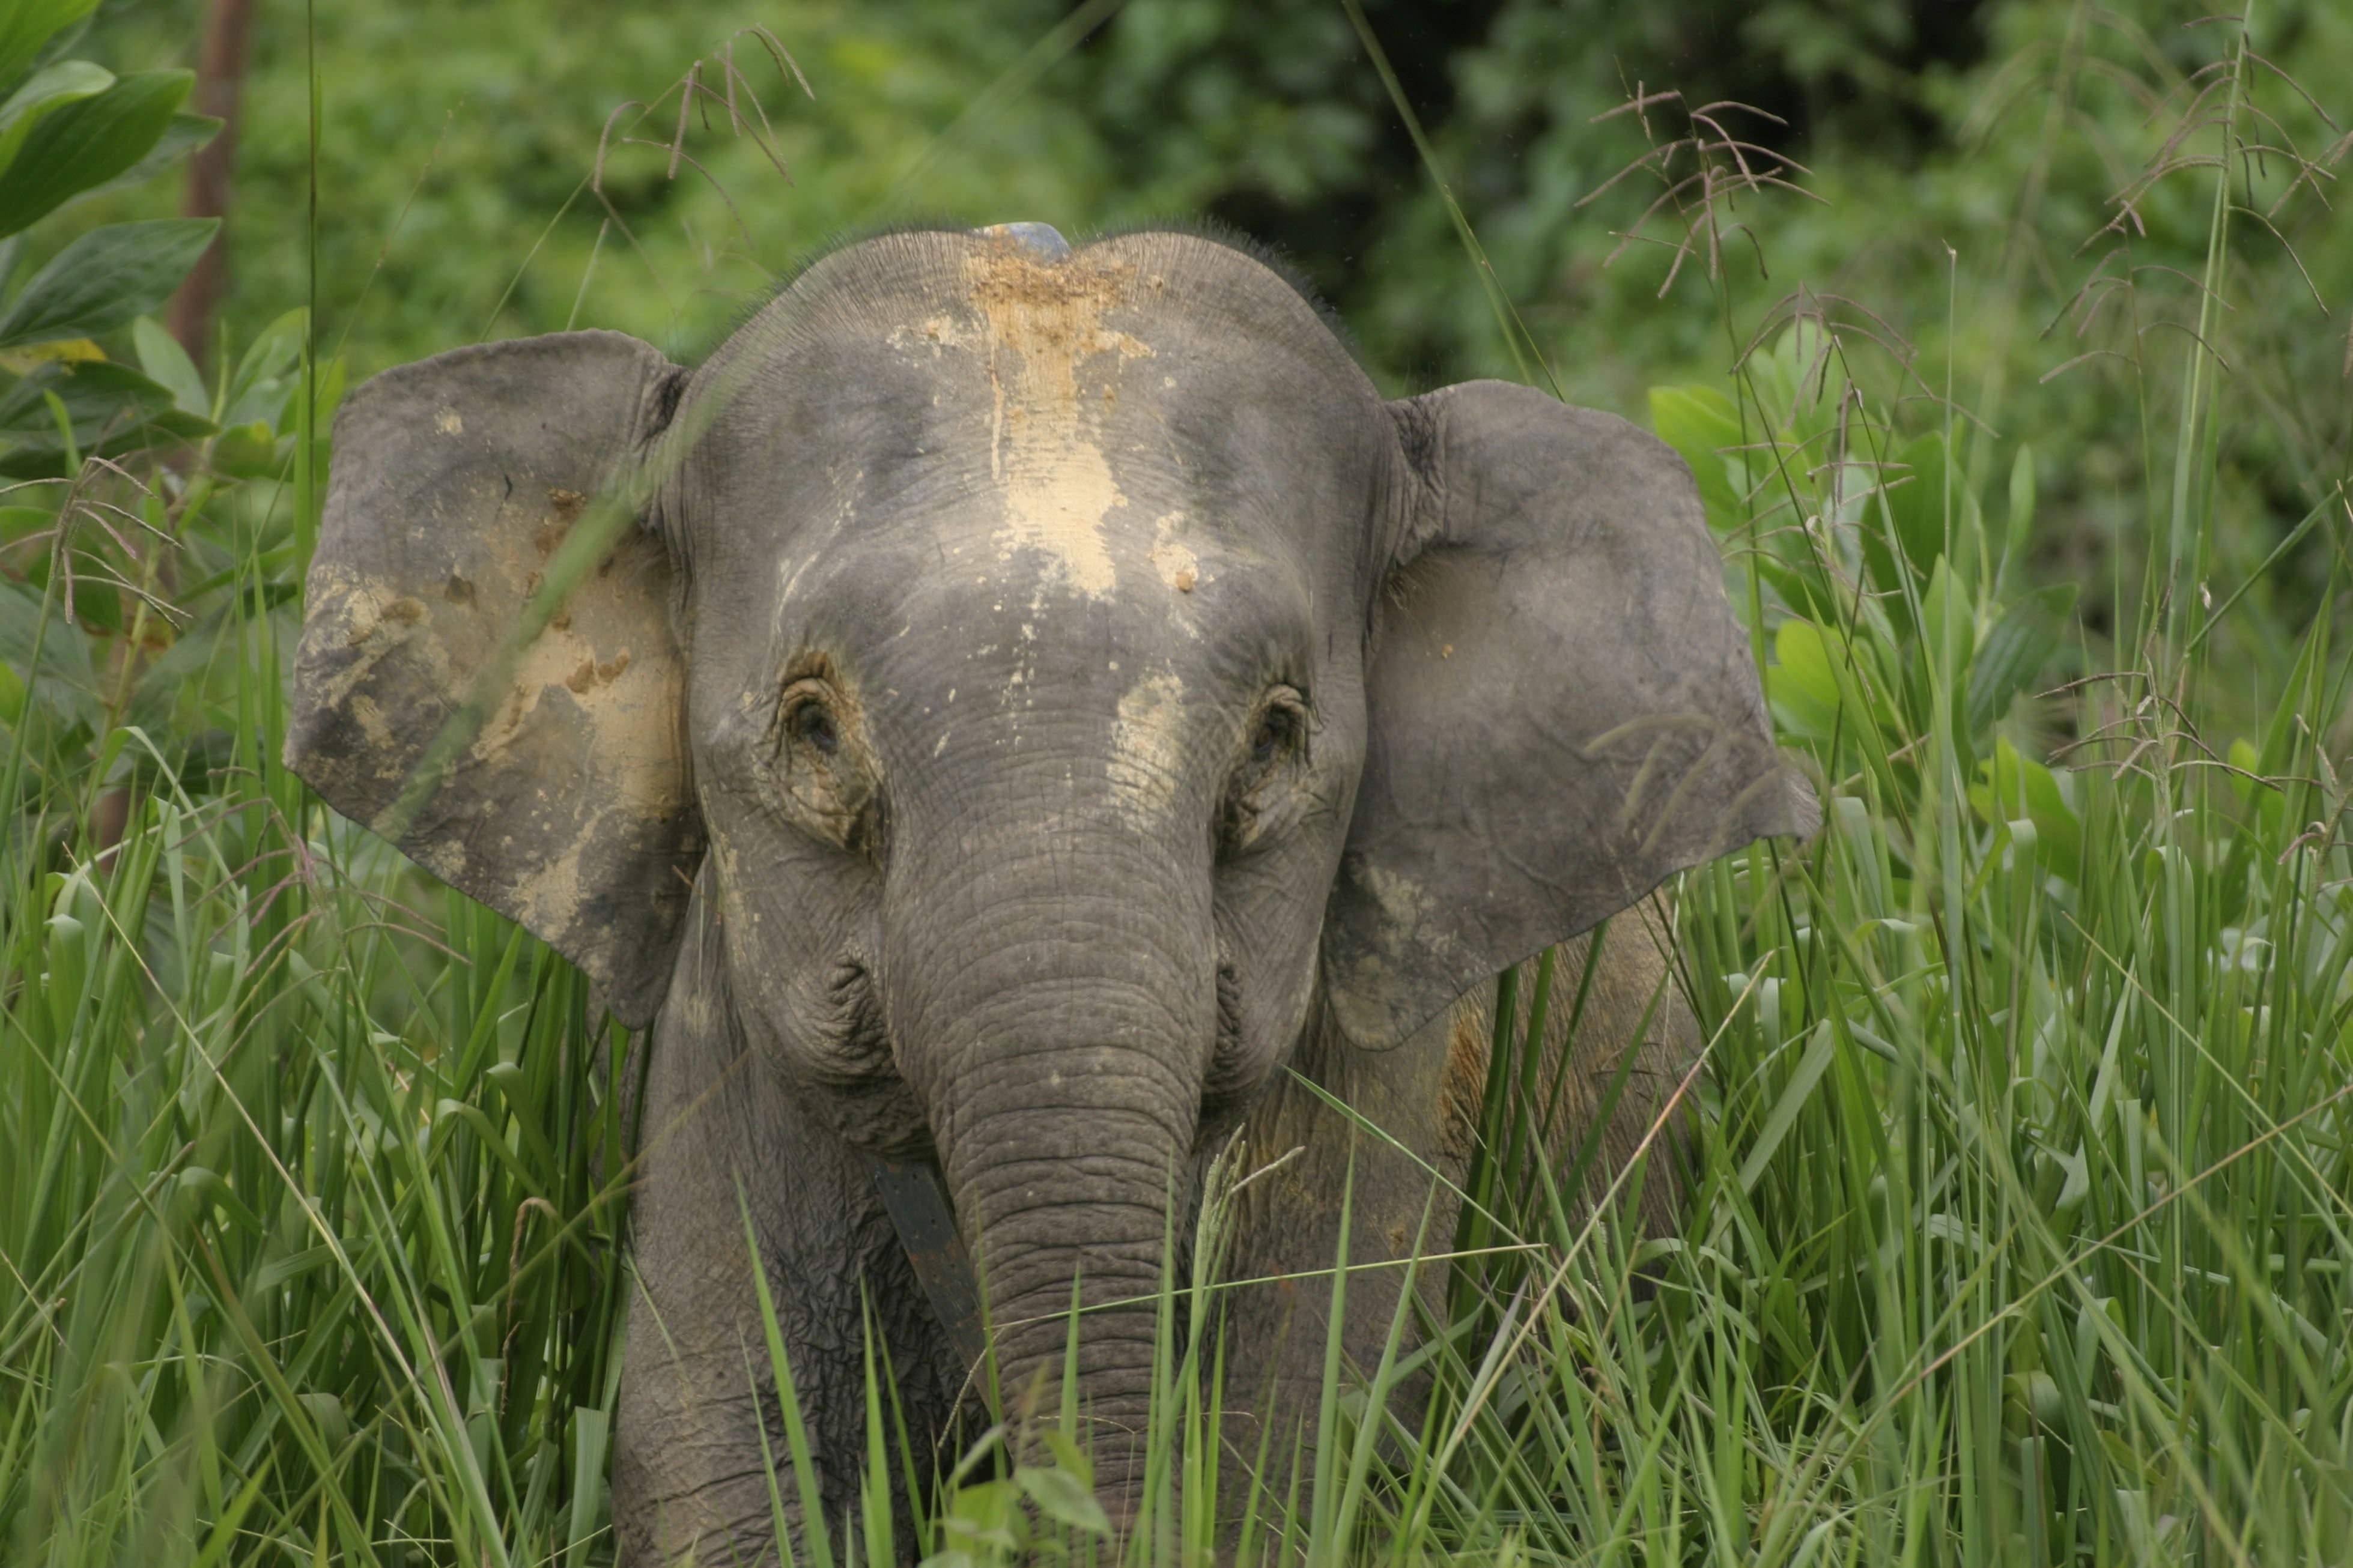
x: 1277, y: 733
x: 823, y: 771
x: 1280, y: 730
x: 1253, y: 796
x: 811, y: 725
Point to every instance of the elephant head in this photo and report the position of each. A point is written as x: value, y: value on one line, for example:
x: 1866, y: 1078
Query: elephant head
x: 1056, y: 674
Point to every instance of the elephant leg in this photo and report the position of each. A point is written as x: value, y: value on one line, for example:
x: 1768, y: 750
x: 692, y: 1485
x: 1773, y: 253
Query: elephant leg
x: 1286, y: 1229
x: 1426, y: 1097
x: 1635, y: 1041
x: 722, y: 1140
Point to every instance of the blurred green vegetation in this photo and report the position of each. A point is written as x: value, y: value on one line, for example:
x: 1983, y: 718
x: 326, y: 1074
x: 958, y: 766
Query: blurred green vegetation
x: 459, y: 143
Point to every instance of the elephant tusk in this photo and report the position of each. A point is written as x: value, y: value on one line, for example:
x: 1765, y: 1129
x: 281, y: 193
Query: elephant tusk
x: 918, y: 1205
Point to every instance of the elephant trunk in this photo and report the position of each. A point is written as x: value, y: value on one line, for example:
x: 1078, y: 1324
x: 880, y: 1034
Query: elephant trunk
x: 1057, y: 1015
x: 1069, y: 1183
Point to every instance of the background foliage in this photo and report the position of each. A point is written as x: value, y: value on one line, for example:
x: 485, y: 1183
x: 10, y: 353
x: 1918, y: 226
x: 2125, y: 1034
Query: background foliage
x: 455, y: 139
x: 2008, y: 341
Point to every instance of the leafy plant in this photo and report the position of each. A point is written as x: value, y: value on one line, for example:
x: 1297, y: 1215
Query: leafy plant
x: 68, y: 128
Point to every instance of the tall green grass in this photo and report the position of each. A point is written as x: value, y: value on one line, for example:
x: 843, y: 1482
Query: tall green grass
x: 2020, y: 1226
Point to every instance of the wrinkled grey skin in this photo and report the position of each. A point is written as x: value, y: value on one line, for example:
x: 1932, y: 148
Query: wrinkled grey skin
x: 1049, y: 693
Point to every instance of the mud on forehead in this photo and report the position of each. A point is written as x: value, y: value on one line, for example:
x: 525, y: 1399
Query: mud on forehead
x: 1189, y: 279
x: 930, y: 370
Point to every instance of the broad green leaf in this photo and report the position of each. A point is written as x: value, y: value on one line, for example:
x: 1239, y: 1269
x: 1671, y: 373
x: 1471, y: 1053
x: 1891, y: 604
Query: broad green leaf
x: 63, y: 80
x: 1793, y: 377
x: 105, y: 279
x: 112, y: 408
x: 247, y: 451
x: 1702, y: 424
x: 1915, y: 502
x: 988, y: 1516
x: 327, y: 1410
x: 1070, y: 1455
x: 329, y: 390
x: 1801, y: 683
x: 2015, y: 652
x: 92, y: 394
x: 84, y: 143
x: 2020, y: 524
x: 2244, y: 757
x: 168, y: 366
x: 2011, y: 786
x: 592, y: 1434
x: 43, y: 94
x: 65, y: 683
x: 177, y: 671
x: 1061, y: 1497
x: 183, y: 135
x: 252, y: 392
x: 27, y: 24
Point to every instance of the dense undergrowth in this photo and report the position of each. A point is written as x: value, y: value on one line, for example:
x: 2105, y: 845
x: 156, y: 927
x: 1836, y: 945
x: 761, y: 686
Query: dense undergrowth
x: 2020, y: 1225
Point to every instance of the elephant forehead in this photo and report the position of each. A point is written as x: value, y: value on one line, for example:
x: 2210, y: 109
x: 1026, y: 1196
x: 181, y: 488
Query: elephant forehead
x: 1092, y: 410
x: 1038, y: 344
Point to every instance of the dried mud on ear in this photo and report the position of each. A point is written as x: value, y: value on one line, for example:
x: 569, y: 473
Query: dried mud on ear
x: 587, y: 648
x: 580, y: 757
x: 570, y: 808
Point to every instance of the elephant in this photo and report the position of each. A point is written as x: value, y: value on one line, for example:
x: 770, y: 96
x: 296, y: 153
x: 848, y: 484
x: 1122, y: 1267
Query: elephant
x: 1037, y: 713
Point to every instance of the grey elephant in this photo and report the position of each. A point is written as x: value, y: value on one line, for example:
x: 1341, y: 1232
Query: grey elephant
x: 1047, y: 712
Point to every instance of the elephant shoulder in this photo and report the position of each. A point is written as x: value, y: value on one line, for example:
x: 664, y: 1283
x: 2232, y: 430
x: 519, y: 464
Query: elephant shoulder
x: 1631, y: 1006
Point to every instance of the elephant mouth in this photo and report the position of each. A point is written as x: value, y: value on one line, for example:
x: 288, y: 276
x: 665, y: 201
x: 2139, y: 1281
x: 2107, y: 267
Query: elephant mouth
x: 1231, y: 1080
x: 873, y: 1106
x: 854, y: 1021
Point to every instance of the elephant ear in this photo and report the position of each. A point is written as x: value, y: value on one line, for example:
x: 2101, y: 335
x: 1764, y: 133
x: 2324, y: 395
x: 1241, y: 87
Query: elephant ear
x: 1563, y: 712
x: 569, y: 807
